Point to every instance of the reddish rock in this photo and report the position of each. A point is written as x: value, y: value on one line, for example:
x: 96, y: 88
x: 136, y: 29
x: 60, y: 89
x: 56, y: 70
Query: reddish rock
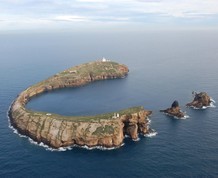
x: 201, y: 100
x: 174, y: 110
x: 58, y: 131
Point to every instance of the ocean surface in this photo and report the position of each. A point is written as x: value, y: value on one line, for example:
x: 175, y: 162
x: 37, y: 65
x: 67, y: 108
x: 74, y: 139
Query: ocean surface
x: 164, y: 66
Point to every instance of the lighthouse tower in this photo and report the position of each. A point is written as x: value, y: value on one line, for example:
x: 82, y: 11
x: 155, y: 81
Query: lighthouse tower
x: 104, y: 60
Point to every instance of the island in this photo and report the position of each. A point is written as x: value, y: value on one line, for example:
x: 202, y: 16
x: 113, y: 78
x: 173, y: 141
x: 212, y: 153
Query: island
x: 174, y: 110
x: 107, y: 130
x: 201, y: 100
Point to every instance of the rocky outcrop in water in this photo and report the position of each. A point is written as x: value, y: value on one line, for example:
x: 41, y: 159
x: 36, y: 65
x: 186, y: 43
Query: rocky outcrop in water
x: 61, y: 131
x: 174, y: 110
x: 201, y: 100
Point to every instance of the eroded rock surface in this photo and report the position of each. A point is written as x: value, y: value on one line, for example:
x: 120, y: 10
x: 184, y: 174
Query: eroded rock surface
x: 201, y: 100
x: 58, y: 131
x: 174, y: 110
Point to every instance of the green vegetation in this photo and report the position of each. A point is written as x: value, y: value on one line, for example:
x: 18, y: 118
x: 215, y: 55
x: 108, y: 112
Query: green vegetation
x: 79, y: 72
x: 104, y: 130
x: 69, y: 76
x: 96, y: 118
x: 96, y: 68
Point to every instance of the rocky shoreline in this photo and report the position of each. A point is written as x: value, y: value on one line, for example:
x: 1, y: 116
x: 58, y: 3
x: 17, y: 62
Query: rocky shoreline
x: 106, y: 130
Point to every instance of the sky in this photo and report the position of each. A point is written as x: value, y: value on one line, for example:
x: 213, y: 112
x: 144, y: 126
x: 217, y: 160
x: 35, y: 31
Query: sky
x: 108, y: 14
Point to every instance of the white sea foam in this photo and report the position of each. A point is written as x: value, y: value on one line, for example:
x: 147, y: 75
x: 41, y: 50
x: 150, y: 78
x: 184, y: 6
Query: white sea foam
x: 151, y: 134
x: 212, y: 100
x: 149, y: 120
x: 136, y: 140
x: 198, y: 108
x: 98, y: 147
x: 73, y: 146
x: 10, y: 125
x: 185, y: 117
x: 212, y: 105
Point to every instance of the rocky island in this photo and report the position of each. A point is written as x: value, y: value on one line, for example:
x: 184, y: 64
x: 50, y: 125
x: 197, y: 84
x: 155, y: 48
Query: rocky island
x: 57, y: 131
x: 200, y: 101
x: 174, y: 110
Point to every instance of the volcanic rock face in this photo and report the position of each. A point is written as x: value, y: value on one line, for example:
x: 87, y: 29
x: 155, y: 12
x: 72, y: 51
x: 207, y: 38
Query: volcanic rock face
x: 174, y: 110
x: 201, y: 100
x: 58, y: 131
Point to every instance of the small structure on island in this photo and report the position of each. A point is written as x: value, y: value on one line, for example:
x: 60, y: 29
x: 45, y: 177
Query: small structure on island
x: 73, y: 71
x: 116, y: 115
x: 59, y: 131
x: 105, y: 60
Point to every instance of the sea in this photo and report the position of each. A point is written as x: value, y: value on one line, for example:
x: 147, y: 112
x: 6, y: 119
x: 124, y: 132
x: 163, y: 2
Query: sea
x: 163, y: 66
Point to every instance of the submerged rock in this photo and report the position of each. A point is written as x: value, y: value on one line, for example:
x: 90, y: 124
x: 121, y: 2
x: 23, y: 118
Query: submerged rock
x: 174, y: 111
x: 201, y: 100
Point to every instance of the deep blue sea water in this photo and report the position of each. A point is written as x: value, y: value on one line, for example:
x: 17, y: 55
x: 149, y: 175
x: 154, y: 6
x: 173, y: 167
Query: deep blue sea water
x: 164, y: 66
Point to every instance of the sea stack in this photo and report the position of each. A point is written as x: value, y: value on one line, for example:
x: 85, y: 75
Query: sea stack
x: 174, y: 110
x: 201, y: 100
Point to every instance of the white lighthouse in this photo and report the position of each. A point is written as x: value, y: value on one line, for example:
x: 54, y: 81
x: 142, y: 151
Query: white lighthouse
x: 105, y: 60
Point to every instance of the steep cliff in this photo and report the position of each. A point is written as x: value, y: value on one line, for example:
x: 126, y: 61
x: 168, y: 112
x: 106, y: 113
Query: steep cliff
x: 57, y: 131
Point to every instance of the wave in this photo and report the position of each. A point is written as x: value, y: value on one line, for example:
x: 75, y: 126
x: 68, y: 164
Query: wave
x: 136, y: 140
x: 73, y: 146
x: 212, y: 105
x: 183, y: 118
x: 152, y: 133
x: 149, y: 121
x: 212, y: 100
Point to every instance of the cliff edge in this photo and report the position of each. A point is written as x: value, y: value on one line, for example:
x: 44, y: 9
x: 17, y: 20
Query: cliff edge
x: 55, y: 130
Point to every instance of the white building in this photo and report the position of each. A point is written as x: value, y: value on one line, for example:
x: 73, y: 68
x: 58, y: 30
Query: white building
x: 105, y: 60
